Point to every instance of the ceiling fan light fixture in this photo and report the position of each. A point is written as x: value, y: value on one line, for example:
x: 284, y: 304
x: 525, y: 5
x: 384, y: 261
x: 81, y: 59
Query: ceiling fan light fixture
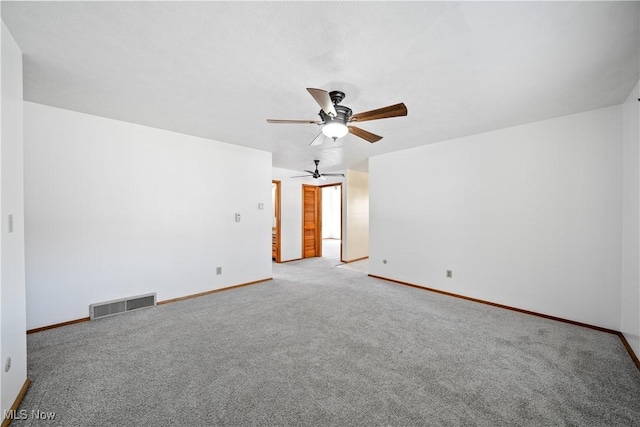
x: 335, y: 130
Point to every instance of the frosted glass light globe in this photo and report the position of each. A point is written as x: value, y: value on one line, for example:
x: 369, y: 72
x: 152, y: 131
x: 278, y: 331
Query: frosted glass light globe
x: 335, y: 130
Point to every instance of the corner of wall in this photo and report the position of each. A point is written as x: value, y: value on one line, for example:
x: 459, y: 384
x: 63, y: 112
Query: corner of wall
x: 356, y: 216
x: 630, y: 263
x: 13, y: 348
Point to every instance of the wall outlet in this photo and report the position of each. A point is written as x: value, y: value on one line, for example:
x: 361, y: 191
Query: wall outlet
x: 237, y: 217
x: 261, y: 206
x: 449, y: 274
x: 10, y: 223
x: 218, y: 271
x: 7, y: 364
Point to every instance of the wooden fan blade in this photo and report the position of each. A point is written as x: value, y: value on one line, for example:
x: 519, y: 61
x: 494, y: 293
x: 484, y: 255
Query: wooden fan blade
x: 324, y: 100
x: 304, y: 122
x: 371, y: 137
x: 381, y: 113
x: 309, y: 172
x: 333, y: 174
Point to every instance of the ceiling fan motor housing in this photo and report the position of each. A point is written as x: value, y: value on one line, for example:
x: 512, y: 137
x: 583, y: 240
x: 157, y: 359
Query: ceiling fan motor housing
x: 343, y: 115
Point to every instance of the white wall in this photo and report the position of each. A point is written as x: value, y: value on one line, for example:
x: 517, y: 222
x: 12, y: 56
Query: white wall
x: 630, y: 316
x: 115, y: 209
x: 12, y: 290
x: 528, y: 216
x: 356, y: 216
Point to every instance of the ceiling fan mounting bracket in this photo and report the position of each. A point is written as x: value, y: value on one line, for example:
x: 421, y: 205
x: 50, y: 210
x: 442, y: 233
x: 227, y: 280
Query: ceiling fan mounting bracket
x: 336, y: 96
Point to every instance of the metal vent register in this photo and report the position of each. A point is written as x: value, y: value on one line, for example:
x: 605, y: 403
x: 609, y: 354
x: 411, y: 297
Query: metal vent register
x: 109, y: 308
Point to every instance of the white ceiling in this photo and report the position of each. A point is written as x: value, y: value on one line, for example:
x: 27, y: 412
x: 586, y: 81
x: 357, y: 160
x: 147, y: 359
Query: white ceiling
x: 219, y: 69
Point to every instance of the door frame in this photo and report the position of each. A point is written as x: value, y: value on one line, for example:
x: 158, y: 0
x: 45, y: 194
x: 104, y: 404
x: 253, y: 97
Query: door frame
x: 278, y: 213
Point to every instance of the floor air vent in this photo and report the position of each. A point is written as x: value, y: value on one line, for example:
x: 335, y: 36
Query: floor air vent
x: 109, y: 308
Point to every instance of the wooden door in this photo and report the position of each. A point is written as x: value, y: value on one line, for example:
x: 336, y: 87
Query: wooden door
x: 311, y: 222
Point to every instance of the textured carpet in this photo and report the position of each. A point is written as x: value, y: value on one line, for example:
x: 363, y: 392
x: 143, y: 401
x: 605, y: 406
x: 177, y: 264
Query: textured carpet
x: 323, y: 345
x: 361, y: 266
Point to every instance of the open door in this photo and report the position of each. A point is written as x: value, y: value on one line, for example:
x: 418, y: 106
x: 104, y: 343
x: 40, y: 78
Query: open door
x: 311, y: 221
x: 275, y: 221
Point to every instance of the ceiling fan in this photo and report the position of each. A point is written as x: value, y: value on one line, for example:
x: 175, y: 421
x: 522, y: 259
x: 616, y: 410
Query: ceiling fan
x: 336, y: 119
x: 317, y: 175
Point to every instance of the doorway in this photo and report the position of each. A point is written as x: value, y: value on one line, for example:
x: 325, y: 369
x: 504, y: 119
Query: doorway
x: 331, y: 211
x: 314, y: 214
